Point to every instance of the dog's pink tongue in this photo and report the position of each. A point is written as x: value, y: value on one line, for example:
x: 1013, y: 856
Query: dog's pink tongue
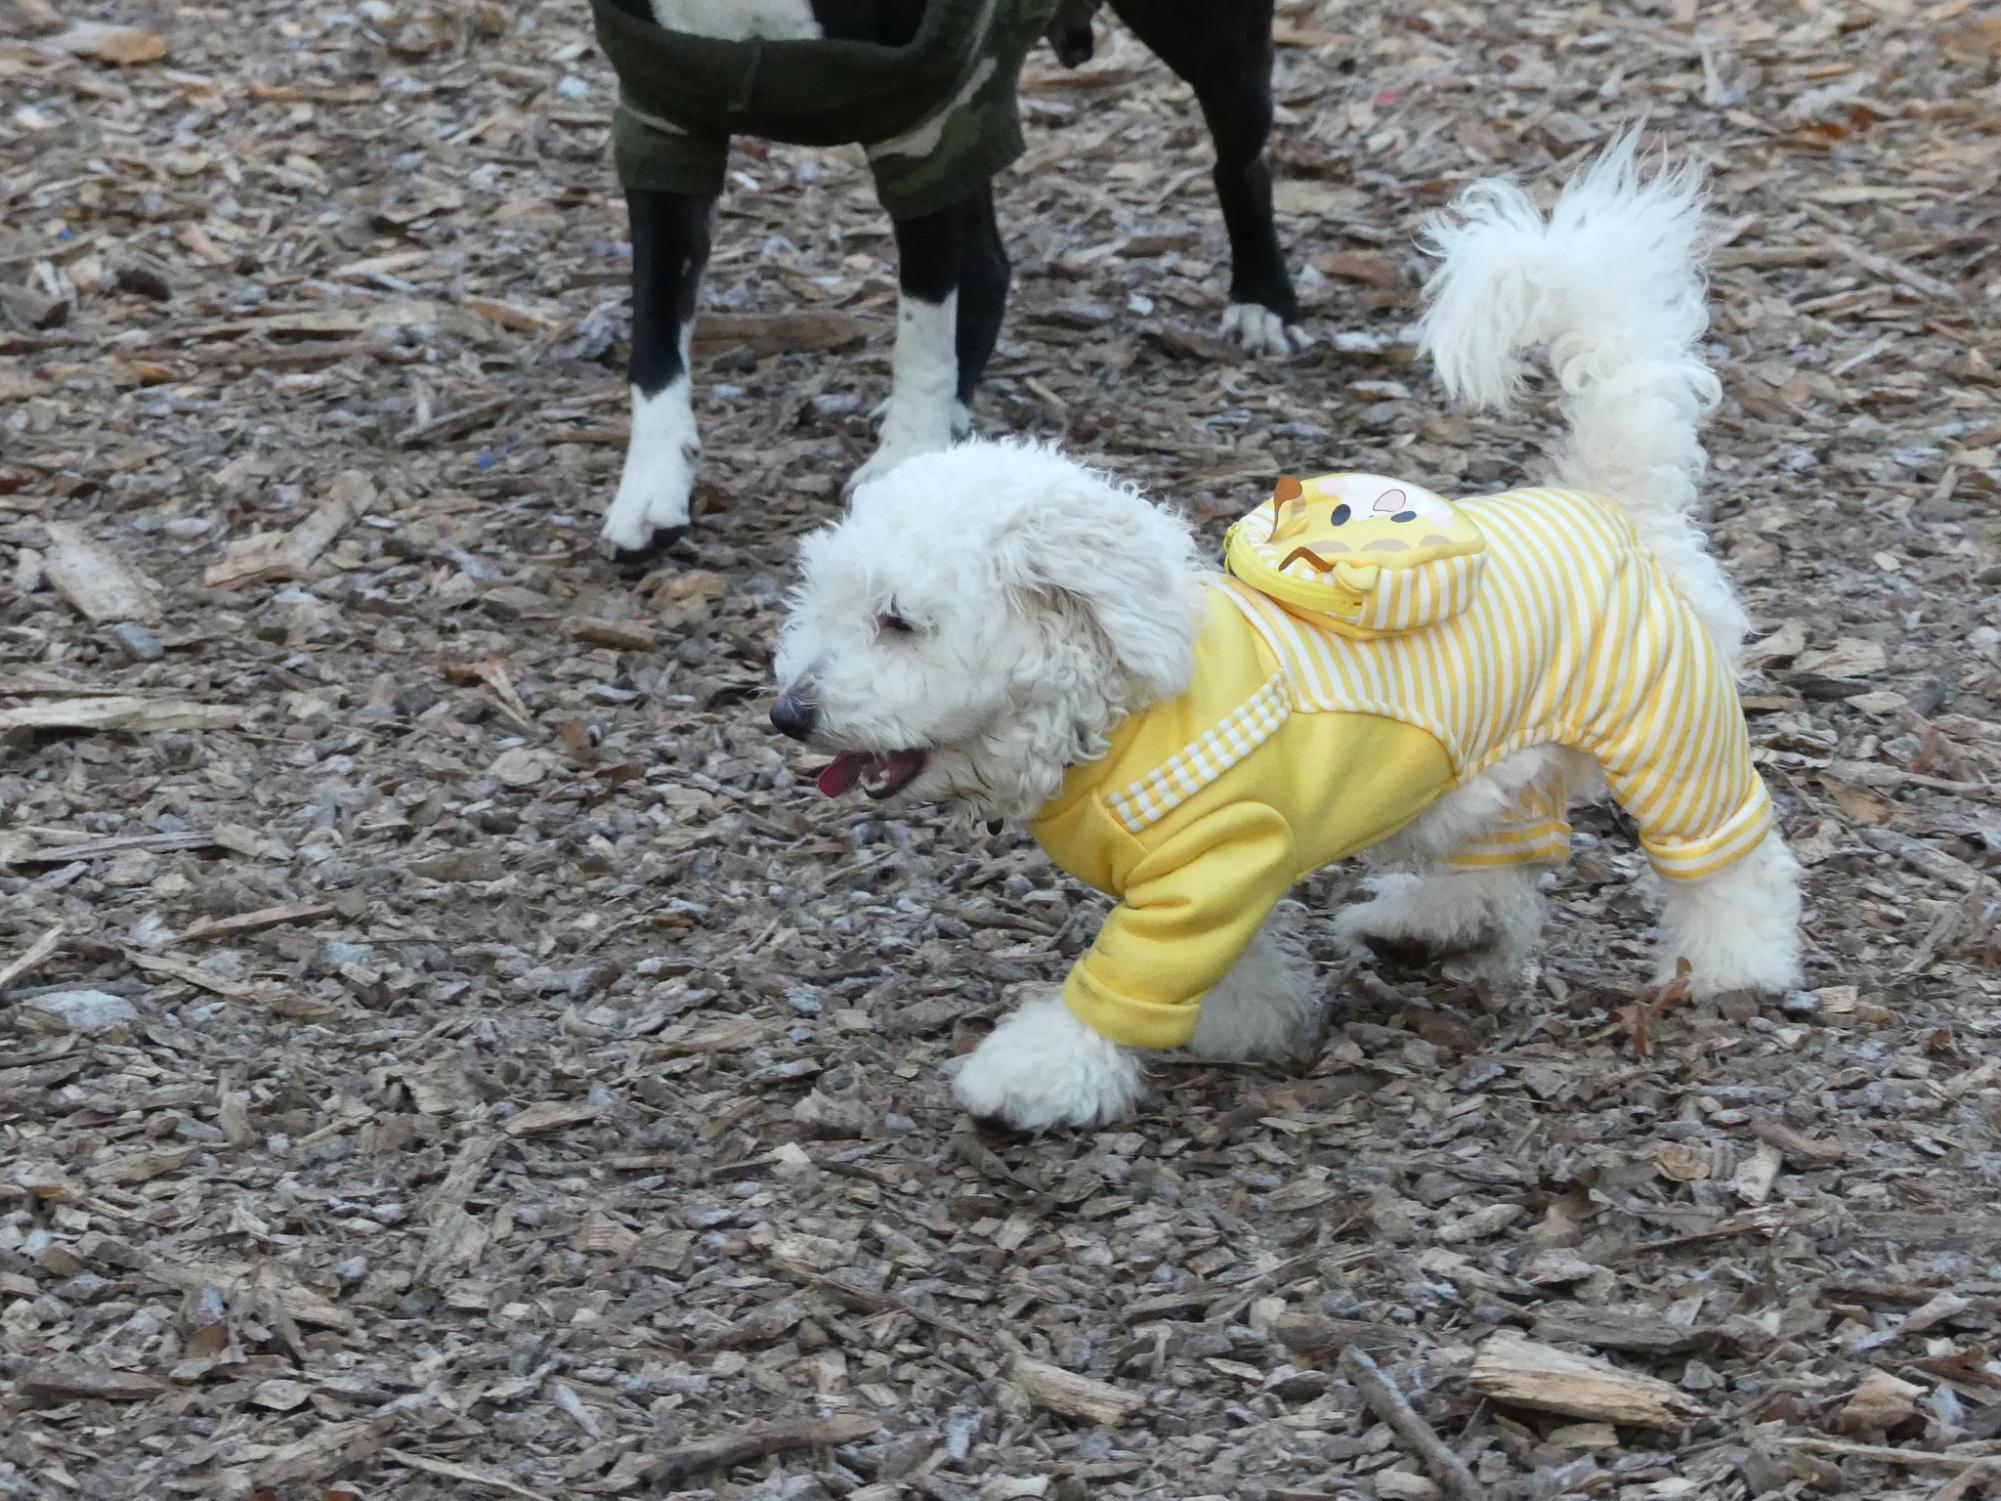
x: 842, y: 773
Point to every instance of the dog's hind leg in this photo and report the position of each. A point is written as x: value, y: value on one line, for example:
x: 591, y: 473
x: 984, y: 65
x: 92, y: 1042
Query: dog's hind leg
x: 1225, y: 52
x: 1738, y: 929
x: 924, y: 367
x: 670, y: 248
x: 1480, y: 852
x: 1268, y: 1004
x: 1490, y: 920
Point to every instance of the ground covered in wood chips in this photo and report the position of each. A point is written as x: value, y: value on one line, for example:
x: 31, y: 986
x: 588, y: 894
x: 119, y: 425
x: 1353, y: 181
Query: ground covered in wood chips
x: 504, y: 1077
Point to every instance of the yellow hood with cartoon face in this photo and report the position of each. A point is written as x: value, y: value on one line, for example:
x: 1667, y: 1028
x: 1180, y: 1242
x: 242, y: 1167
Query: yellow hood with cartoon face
x: 1361, y: 553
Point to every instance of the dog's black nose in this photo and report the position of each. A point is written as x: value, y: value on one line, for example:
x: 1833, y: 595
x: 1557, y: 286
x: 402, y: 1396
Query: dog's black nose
x: 793, y: 716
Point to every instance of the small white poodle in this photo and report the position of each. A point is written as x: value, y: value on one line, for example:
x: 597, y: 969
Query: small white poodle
x: 1002, y: 630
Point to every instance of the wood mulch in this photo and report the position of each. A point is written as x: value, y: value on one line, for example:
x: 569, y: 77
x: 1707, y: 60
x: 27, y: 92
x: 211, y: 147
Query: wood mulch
x: 504, y: 1077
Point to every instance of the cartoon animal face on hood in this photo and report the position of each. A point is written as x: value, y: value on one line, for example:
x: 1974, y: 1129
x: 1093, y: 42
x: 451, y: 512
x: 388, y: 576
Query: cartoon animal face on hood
x: 1363, y: 553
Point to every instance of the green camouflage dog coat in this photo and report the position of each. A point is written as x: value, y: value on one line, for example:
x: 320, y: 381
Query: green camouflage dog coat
x: 937, y: 115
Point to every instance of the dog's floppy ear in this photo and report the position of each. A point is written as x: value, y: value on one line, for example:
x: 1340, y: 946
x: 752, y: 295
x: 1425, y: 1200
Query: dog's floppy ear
x: 1124, y: 566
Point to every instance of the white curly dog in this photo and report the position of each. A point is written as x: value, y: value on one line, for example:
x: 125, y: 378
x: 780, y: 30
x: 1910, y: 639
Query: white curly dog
x: 987, y: 617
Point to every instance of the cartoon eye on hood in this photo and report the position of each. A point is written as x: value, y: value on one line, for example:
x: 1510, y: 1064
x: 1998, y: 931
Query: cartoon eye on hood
x: 1364, y: 553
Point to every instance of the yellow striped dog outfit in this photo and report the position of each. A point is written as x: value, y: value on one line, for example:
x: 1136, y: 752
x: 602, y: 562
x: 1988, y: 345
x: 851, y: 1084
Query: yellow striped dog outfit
x: 1373, y: 647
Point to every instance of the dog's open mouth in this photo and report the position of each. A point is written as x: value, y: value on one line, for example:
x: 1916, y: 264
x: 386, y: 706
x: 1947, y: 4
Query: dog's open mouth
x: 879, y: 775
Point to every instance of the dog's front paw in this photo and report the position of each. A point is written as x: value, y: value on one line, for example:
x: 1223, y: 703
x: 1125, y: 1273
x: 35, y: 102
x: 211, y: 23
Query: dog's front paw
x: 893, y: 450
x: 1262, y: 331
x: 1043, y: 1067
x: 651, y: 510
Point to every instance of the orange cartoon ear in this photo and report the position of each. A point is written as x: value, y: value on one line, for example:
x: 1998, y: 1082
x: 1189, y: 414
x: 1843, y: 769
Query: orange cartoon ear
x: 1390, y: 500
x: 1284, y: 493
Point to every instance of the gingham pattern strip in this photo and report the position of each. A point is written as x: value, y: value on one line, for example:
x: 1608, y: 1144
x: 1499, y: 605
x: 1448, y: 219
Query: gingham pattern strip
x: 1201, y: 761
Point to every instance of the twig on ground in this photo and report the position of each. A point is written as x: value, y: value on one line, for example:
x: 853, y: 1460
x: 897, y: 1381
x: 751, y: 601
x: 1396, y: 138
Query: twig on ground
x: 684, y: 1460
x: 1389, y: 1404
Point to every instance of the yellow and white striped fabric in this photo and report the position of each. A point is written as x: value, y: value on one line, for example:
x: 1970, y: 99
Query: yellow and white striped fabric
x: 1535, y: 831
x: 1576, y: 637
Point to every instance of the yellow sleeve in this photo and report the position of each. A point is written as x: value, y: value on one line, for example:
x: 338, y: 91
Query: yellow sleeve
x: 1190, y: 909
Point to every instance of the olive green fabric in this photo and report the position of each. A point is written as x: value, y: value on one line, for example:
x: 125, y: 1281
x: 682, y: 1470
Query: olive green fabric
x: 937, y: 115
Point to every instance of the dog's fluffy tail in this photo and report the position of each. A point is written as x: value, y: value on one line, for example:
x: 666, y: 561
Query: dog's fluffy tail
x: 1611, y: 284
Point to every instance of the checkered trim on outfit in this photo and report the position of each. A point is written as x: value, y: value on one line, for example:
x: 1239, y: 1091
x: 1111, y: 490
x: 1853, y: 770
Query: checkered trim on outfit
x: 1198, y: 763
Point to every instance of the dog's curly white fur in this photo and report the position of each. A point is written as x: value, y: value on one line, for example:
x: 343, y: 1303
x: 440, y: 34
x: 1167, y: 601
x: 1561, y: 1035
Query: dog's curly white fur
x: 985, y: 618
x: 1267, y: 1006
x: 1043, y: 1067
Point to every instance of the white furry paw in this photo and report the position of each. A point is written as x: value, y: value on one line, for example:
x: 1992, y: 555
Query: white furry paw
x: 1407, y: 909
x: 1494, y: 917
x: 1043, y: 1067
x: 1259, y: 330
x: 651, y: 508
x: 1266, y: 1007
x: 891, y: 452
x: 1738, y: 929
x: 962, y: 422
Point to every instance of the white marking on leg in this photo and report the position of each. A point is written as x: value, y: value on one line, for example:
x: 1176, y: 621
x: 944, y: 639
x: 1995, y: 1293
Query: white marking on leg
x: 1260, y: 331
x: 739, y: 20
x: 924, y: 376
x: 659, y: 471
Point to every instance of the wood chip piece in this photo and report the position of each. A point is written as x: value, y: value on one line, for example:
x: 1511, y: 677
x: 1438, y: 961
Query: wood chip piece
x: 1521, y: 1373
x: 1849, y: 657
x: 1072, y: 1395
x: 326, y: 1453
x: 1804, y: 1152
x: 270, y: 557
x: 69, y: 1381
x: 470, y: 1474
x: 1881, y: 1402
x: 799, y: 332
x: 550, y: 1115
x: 131, y: 715
x: 37, y: 953
x: 100, y: 584
x: 258, y: 921
x: 190, y: 973
x: 686, y: 1460
x: 1753, y: 1181
x: 1623, y: 1327
x: 616, y: 634
x: 452, y: 1240
x: 121, y: 46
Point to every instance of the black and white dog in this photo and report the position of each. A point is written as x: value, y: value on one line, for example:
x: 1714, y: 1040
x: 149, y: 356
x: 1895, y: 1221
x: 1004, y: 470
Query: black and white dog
x: 953, y: 269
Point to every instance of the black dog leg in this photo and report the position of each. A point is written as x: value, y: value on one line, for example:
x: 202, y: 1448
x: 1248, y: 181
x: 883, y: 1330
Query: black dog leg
x: 670, y: 246
x: 983, y: 282
x: 1225, y: 51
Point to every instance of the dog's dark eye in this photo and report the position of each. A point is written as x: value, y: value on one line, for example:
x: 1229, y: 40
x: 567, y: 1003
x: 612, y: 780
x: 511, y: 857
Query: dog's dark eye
x: 889, y: 620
